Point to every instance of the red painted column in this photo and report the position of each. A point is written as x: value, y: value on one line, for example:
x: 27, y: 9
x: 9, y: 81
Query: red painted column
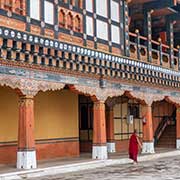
x: 26, y: 156
x: 99, y: 131
x: 110, y: 129
x: 148, y: 135
x: 178, y: 128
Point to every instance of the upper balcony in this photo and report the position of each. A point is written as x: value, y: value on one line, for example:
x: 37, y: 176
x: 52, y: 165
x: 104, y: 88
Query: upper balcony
x: 161, y: 54
x: 155, y: 32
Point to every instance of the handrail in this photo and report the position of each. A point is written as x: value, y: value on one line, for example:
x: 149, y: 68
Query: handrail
x: 152, y: 41
x: 165, y: 45
x: 162, y: 125
x: 143, y: 37
x: 132, y: 34
x: 155, y: 42
x: 176, y: 50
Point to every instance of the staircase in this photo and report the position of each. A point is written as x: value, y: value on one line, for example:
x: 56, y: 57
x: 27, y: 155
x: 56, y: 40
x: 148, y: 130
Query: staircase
x: 168, y: 137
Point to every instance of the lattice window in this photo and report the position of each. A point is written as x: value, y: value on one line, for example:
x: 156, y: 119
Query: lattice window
x: 62, y: 20
x: 70, y: 21
x: 77, y: 23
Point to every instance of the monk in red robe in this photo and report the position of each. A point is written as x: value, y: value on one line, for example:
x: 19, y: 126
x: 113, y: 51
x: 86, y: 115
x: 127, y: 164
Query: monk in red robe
x: 133, y: 146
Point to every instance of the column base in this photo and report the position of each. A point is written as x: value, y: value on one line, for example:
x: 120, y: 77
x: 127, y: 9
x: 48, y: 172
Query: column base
x: 26, y: 160
x: 99, y: 152
x: 111, y: 148
x: 177, y: 143
x: 148, y: 147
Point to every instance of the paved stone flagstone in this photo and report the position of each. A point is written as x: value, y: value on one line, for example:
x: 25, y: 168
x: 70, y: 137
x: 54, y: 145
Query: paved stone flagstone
x: 163, y: 168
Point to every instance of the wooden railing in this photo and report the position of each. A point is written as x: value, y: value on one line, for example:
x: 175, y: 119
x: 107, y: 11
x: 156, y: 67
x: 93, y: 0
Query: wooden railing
x: 162, y: 125
x: 160, y: 53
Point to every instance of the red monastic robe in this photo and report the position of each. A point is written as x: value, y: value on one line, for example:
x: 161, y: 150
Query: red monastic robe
x: 133, y: 147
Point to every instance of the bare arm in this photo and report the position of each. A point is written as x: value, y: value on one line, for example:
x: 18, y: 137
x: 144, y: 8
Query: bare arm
x: 139, y: 143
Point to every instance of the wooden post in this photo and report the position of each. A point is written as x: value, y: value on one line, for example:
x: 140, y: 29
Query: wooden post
x: 138, y: 47
x: 148, y: 144
x: 160, y: 51
x: 26, y: 155
x: 178, y: 128
x: 170, y: 38
x: 126, y: 27
x: 110, y: 130
x: 148, y: 32
x: 99, y: 131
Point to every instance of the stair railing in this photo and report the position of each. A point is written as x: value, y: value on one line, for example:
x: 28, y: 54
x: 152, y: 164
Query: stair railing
x: 162, y: 125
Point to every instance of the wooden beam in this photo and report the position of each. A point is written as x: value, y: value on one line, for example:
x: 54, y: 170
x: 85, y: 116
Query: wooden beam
x: 159, y: 4
x: 174, y: 17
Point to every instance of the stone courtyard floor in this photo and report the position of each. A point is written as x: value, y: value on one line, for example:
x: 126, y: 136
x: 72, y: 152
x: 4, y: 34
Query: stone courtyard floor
x: 162, y: 168
x: 164, y: 164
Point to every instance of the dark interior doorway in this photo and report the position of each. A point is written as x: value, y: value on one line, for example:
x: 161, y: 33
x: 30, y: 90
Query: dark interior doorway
x: 85, y: 123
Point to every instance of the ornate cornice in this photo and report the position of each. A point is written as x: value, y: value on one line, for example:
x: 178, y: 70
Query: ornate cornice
x: 29, y: 86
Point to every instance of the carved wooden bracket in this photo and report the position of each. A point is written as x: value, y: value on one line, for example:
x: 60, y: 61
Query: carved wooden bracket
x: 147, y: 97
x: 173, y: 100
x: 111, y: 102
x: 99, y: 93
x: 29, y: 86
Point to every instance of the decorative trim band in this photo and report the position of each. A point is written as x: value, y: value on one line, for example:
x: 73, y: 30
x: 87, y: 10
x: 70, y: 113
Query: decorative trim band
x: 56, y: 44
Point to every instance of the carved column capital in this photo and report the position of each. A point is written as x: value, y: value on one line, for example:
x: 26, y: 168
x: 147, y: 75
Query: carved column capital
x: 26, y: 100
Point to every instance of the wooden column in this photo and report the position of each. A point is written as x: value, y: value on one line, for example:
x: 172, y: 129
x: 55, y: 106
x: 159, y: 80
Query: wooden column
x: 170, y: 38
x: 148, y: 143
x: 125, y: 21
x: 99, y: 131
x: 56, y: 19
x: 148, y: 32
x: 26, y: 155
x: 110, y: 130
x: 178, y: 128
x: 160, y: 51
x: 138, y: 45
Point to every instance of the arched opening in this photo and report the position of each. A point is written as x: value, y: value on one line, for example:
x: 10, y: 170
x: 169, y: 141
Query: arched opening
x: 164, y: 124
x: 70, y: 21
x: 62, y: 20
x: 77, y: 23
